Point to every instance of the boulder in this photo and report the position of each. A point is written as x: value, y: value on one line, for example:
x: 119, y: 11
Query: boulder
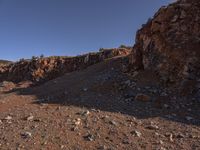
x: 169, y: 44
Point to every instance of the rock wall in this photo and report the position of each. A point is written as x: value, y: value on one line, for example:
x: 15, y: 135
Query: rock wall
x: 169, y: 44
x: 43, y: 69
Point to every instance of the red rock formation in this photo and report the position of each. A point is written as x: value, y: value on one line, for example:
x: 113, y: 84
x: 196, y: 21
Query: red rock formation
x: 43, y: 69
x: 170, y: 42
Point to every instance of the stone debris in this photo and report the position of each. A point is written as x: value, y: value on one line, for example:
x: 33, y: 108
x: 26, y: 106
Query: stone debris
x: 89, y: 137
x: 26, y: 135
x: 188, y: 118
x: 30, y: 118
x: 85, y: 89
x: 112, y: 122
x: 152, y: 127
x: 180, y: 136
x: 136, y: 133
x: 171, y: 138
x: 8, y: 118
x: 77, y: 121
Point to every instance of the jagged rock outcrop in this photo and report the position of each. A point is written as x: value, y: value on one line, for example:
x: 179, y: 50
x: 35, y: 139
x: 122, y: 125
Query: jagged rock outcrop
x: 169, y: 44
x: 43, y: 69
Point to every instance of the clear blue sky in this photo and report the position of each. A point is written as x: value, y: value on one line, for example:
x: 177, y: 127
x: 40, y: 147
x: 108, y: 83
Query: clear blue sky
x: 69, y: 27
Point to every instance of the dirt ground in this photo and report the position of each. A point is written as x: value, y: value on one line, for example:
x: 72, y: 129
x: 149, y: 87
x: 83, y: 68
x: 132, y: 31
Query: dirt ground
x: 99, y: 108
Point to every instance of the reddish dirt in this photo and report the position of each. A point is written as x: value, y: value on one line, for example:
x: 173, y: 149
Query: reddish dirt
x: 95, y: 109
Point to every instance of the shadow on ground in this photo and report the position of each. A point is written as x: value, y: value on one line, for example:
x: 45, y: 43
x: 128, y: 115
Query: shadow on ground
x: 97, y: 88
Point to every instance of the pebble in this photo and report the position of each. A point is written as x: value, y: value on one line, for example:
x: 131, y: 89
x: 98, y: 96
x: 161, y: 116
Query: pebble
x: 102, y: 147
x: 171, y: 138
x: 136, y: 133
x: 77, y: 121
x: 62, y: 146
x: 89, y: 137
x: 8, y: 118
x: 166, y: 106
x: 85, y: 113
x: 26, y: 135
x: 30, y: 118
x: 113, y: 122
x: 152, y: 127
x: 85, y: 89
x: 188, y: 118
x: 180, y: 136
x: 162, y: 148
x: 128, y: 82
x: 161, y: 142
x: 126, y: 141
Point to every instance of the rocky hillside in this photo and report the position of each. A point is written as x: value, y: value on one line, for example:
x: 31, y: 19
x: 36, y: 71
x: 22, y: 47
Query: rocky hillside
x: 169, y: 44
x: 4, y: 62
x: 97, y: 104
x: 43, y: 69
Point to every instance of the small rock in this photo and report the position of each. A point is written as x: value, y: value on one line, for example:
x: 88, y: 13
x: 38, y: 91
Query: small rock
x: 126, y: 141
x: 161, y: 142
x: 183, y: 15
x: 30, y: 118
x: 166, y: 106
x: 134, y: 74
x: 113, y: 122
x: 142, y: 98
x: 85, y: 113
x: 89, y: 137
x: 85, y: 89
x: 136, y: 133
x: 95, y: 110
x: 163, y: 94
x: 171, y: 138
x: 74, y: 128
x: 128, y: 82
x: 77, y: 121
x: 62, y: 146
x: 8, y: 118
x: 180, y: 136
x: 152, y: 127
x: 188, y: 118
x: 102, y: 147
x: 191, y: 136
x: 162, y: 148
x: 26, y: 135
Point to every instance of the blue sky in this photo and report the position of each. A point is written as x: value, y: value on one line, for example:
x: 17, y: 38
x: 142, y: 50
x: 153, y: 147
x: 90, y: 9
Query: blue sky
x: 69, y: 27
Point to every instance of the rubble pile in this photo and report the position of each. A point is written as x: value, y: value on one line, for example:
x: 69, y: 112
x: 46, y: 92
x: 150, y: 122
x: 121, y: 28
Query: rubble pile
x: 169, y: 44
x: 43, y: 69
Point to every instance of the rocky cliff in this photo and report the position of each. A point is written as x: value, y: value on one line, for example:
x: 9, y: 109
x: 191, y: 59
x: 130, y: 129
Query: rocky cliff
x: 43, y: 69
x: 169, y: 44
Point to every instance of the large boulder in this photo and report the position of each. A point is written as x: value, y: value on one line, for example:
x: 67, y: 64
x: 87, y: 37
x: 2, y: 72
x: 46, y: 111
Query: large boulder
x: 169, y: 44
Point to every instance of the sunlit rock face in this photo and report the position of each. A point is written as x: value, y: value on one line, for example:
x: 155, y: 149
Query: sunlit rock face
x: 169, y: 44
x: 44, y: 69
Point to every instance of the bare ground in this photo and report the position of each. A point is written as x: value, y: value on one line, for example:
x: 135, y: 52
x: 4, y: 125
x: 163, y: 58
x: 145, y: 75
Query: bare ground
x: 96, y: 109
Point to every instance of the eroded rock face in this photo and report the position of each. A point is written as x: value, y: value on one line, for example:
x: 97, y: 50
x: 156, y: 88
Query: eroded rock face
x: 170, y: 42
x: 43, y: 69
